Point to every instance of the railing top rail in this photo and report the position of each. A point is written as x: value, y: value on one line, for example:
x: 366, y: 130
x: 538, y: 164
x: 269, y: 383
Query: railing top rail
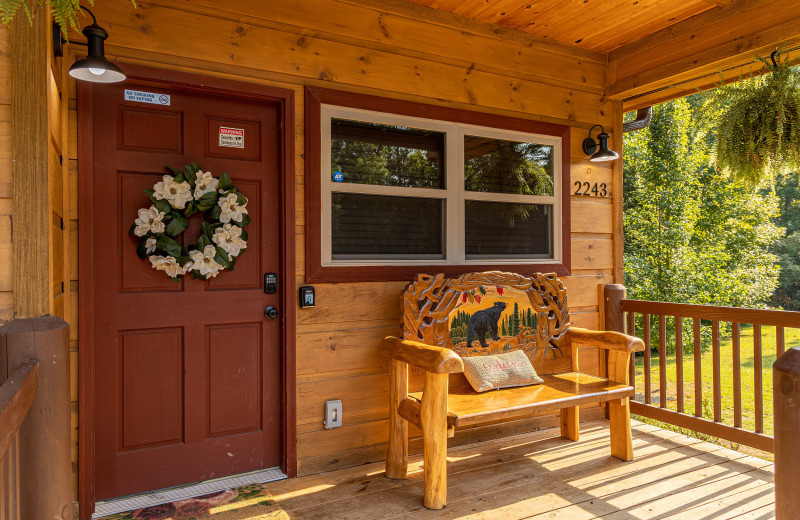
x: 16, y: 396
x: 711, y: 312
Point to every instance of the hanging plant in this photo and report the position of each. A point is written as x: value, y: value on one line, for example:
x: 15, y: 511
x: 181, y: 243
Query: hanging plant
x: 758, y: 133
x: 64, y: 12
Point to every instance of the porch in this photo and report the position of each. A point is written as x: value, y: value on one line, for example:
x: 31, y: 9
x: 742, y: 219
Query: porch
x: 537, y: 475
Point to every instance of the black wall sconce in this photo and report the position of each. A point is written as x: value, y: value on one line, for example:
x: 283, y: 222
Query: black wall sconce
x: 94, y: 67
x: 590, y: 147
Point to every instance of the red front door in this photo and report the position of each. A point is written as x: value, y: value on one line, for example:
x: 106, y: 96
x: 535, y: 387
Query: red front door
x: 186, y: 375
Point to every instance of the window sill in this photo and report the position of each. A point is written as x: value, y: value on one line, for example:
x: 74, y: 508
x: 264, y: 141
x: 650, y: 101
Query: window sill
x: 390, y: 273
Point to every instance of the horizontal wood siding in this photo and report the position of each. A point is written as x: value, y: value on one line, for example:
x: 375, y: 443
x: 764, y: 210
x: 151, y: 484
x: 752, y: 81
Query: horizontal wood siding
x: 383, y: 53
x: 6, y: 201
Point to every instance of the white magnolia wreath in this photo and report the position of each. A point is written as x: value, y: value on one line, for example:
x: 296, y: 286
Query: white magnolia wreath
x: 175, y: 199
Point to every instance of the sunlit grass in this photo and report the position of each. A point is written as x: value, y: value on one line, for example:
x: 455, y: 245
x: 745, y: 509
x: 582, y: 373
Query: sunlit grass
x: 768, y: 347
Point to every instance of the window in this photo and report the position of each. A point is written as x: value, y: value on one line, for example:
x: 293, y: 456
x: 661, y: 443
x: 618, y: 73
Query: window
x: 398, y: 193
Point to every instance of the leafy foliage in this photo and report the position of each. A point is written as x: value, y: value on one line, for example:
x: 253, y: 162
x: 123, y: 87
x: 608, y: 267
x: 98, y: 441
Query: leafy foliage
x: 787, y: 295
x: 692, y: 234
x: 64, y: 12
x: 758, y: 133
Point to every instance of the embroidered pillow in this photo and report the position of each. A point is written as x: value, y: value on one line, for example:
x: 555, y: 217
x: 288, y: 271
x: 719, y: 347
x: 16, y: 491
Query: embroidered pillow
x: 500, y: 371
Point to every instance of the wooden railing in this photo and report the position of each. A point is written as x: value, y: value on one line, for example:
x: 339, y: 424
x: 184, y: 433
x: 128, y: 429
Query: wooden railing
x: 16, y: 396
x: 705, y: 323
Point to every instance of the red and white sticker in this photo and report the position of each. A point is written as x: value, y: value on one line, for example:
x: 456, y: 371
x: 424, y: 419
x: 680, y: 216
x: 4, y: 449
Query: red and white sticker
x: 231, y: 137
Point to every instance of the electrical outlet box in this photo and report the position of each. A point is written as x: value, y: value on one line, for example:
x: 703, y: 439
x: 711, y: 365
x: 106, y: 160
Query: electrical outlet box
x: 333, y: 414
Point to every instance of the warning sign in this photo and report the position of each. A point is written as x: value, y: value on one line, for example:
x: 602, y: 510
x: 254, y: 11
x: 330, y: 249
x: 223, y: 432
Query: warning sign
x: 147, y: 97
x: 231, y: 137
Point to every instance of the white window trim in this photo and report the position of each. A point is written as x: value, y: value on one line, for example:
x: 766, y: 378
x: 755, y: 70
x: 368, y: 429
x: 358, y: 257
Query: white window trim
x: 454, y: 231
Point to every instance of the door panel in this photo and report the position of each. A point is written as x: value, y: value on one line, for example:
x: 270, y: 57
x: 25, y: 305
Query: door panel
x: 187, y: 375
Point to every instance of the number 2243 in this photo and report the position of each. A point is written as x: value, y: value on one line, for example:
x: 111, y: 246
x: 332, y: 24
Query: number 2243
x: 584, y: 188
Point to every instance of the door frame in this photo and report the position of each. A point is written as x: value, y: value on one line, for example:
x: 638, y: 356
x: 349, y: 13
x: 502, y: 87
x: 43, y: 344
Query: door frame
x: 197, y: 84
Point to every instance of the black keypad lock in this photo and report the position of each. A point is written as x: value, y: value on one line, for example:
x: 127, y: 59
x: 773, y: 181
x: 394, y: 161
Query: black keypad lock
x: 270, y: 283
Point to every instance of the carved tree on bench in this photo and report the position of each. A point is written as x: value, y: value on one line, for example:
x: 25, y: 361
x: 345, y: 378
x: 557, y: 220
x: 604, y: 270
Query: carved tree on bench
x: 430, y: 300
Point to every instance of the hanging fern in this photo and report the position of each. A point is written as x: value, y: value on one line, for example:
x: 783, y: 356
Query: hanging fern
x: 65, y: 12
x: 758, y: 133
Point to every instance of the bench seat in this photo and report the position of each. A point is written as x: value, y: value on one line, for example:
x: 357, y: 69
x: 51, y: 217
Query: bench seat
x: 466, y: 407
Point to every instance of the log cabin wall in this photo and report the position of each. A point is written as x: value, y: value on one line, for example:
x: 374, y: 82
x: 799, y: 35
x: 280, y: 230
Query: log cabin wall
x: 395, y: 50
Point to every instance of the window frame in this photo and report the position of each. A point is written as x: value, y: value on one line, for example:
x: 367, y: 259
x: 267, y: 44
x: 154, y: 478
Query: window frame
x: 321, y: 104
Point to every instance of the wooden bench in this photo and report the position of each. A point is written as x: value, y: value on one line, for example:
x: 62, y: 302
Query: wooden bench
x: 535, y: 319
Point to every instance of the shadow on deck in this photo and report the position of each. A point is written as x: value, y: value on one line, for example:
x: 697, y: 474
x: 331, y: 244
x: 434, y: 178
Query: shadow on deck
x: 538, y: 476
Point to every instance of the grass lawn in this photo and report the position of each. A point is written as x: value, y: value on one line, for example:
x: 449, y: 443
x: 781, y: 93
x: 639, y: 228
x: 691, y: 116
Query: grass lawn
x: 768, y: 346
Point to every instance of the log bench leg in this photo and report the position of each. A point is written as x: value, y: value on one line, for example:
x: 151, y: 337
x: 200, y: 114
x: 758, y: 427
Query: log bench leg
x: 620, y: 415
x: 570, y: 423
x: 433, y: 415
x: 397, y: 457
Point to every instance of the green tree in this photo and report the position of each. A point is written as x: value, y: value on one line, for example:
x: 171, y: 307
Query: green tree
x: 692, y: 235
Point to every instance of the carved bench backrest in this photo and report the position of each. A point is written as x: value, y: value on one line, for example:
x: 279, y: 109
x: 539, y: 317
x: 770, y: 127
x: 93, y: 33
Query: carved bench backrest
x: 491, y: 313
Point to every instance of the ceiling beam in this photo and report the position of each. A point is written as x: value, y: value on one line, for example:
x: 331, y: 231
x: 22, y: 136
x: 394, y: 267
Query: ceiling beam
x: 701, y: 47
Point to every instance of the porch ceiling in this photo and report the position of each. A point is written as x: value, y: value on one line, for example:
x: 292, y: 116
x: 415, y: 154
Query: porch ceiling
x: 656, y: 50
x: 601, y: 25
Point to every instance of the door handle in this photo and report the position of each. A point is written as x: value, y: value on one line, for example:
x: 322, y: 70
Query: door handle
x: 270, y: 313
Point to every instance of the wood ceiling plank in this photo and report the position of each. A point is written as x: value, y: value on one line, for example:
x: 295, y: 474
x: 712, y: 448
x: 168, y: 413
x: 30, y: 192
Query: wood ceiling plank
x: 701, y: 44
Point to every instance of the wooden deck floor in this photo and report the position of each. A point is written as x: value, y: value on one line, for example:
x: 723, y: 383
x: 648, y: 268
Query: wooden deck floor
x: 538, y: 476
x: 542, y: 476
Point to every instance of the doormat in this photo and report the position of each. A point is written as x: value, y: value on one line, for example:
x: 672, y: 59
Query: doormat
x: 250, y: 502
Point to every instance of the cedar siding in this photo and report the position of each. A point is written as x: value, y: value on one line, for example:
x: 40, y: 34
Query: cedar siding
x: 350, y: 46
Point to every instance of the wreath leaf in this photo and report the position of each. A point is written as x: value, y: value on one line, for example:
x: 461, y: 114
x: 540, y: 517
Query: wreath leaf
x: 177, y: 225
x: 169, y: 246
x: 245, y: 221
x: 225, y: 182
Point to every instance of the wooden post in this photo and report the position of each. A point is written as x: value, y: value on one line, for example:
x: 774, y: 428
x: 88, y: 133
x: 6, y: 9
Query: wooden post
x: 433, y: 413
x: 397, y: 457
x: 45, y: 469
x: 30, y: 171
x: 613, y: 294
x: 786, y: 400
x: 619, y: 410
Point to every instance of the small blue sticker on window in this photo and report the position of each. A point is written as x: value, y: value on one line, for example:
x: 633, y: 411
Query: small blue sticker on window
x: 338, y: 176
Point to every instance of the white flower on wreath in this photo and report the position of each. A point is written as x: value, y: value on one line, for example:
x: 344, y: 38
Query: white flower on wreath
x: 231, y: 210
x: 229, y: 238
x: 149, y: 220
x: 205, y: 183
x: 150, y: 245
x: 204, y: 263
x: 176, y: 193
x: 167, y: 264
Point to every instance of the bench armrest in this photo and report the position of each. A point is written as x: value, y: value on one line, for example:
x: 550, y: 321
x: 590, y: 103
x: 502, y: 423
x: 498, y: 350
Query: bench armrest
x: 606, y: 339
x: 435, y: 360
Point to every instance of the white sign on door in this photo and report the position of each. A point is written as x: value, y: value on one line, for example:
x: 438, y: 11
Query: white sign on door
x: 231, y: 137
x: 147, y: 97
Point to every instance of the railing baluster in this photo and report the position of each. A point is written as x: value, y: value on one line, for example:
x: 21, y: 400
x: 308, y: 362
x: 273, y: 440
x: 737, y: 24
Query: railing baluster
x: 632, y: 332
x: 758, y: 390
x: 698, y: 370
x: 662, y: 361
x: 646, y: 358
x: 737, y: 375
x: 780, y: 341
x: 716, y: 371
x: 679, y: 360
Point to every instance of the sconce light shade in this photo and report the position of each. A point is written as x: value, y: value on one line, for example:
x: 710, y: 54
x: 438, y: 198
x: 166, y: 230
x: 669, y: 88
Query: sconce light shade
x: 95, y: 67
x: 599, y: 152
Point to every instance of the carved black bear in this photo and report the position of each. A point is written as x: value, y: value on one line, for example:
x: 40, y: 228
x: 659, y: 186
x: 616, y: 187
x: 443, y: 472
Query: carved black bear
x: 482, y: 322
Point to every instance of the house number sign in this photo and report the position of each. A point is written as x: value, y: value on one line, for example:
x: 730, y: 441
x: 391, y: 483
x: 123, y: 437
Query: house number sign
x: 588, y: 189
x: 591, y: 189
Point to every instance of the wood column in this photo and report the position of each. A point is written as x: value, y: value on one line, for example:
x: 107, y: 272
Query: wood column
x: 45, y: 447
x: 397, y: 457
x: 786, y: 396
x: 30, y: 172
x: 433, y: 412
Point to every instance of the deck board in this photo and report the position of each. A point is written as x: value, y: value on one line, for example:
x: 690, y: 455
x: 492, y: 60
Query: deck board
x: 539, y: 475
